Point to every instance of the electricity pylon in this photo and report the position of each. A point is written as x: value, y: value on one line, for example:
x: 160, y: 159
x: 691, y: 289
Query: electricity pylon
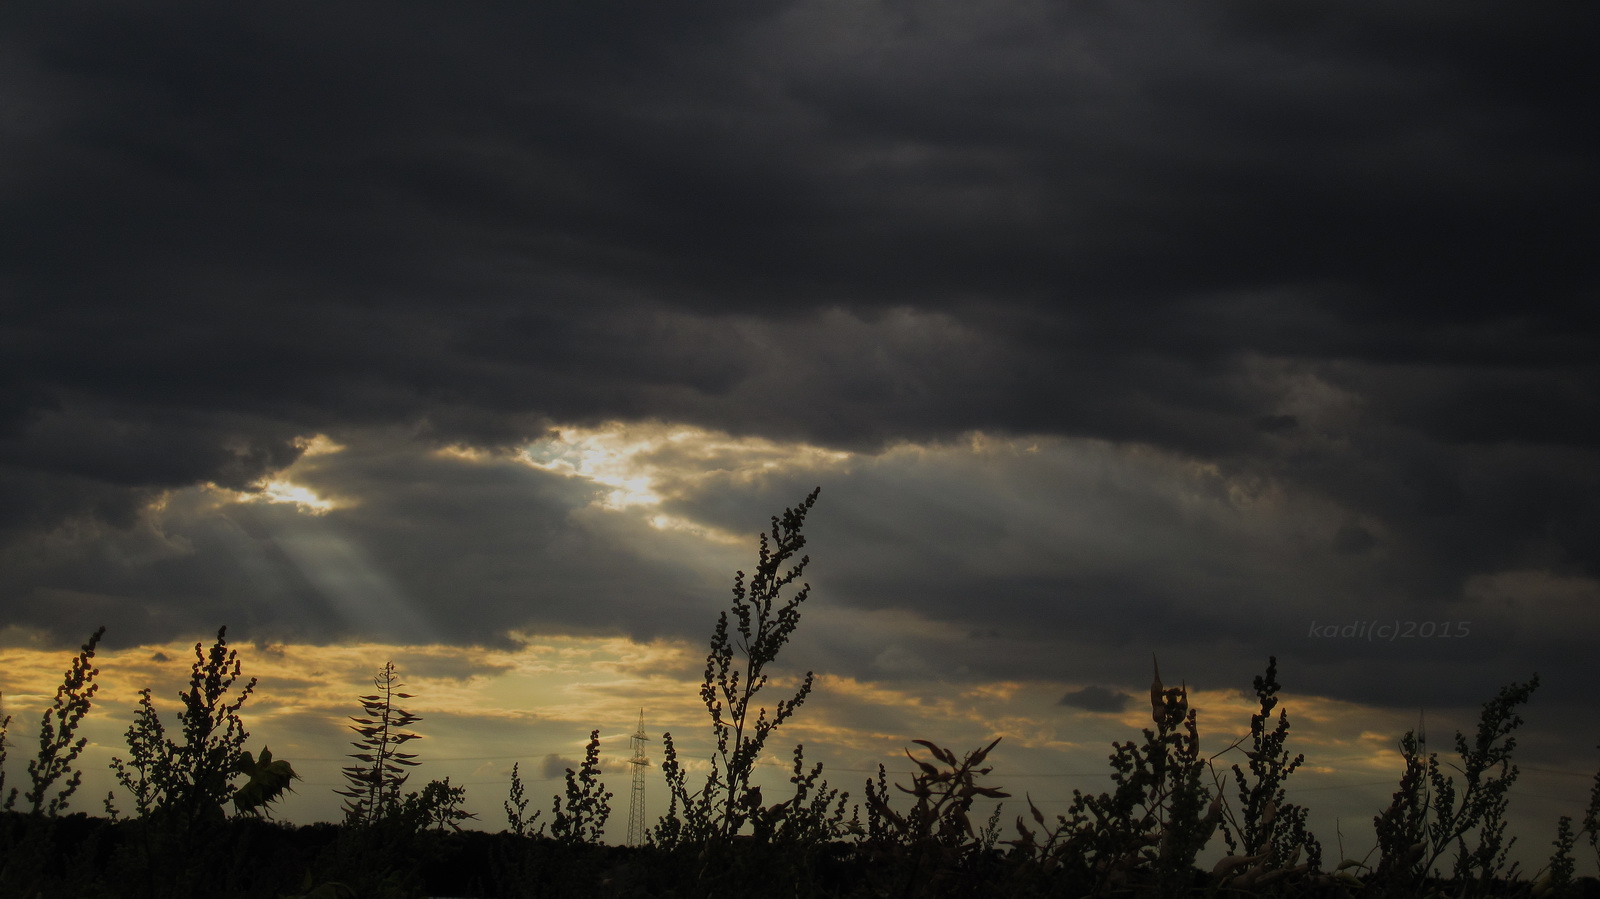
x: 636, y: 803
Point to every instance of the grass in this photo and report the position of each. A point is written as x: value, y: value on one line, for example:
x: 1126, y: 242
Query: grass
x: 1442, y: 834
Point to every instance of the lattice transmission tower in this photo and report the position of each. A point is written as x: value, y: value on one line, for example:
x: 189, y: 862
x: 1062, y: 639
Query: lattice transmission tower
x: 636, y: 802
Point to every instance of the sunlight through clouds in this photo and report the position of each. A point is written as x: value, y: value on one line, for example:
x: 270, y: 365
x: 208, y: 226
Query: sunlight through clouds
x: 359, y: 590
x: 304, y: 497
x: 607, y: 456
x: 284, y: 489
x: 643, y: 464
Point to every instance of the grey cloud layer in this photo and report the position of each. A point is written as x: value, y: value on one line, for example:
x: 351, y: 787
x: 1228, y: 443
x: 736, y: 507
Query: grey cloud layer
x: 1346, y: 252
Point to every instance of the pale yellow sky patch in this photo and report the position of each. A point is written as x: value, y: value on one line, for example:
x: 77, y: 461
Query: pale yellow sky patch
x: 282, y: 489
x: 664, y: 522
x: 467, y: 453
x: 320, y: 445
x: 304, y: 498
x: 870, y: 692
x: 1001, y: 691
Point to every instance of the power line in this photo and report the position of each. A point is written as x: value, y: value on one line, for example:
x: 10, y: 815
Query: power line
x: 909, y: 772
x: 431, y: 758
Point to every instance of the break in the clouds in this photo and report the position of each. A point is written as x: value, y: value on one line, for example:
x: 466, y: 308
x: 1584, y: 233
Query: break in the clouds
x: 1106, y: 328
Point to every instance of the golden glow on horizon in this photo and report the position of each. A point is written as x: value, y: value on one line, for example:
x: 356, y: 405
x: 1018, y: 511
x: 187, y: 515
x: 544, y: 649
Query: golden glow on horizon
x: 534, y: 703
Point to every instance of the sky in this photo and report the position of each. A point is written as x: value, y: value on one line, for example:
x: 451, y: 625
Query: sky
x: 486, y: 339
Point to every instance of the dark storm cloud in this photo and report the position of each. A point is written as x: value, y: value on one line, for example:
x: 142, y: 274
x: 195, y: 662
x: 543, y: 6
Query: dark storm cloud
x: 554, y: 767
x: 1074, y: 560
x: 1097, y: 699
x: 1347, y: 251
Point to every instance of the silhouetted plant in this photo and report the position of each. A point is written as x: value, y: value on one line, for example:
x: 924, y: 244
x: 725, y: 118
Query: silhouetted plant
x: 686, y: 818
x: 182, y: 788
x: 436, y: 807
x: 11, y: 797
x: 1487, y: 776
x: 1402, y: 827
x: 1271, y: 833
x: 1144, y: 834
x: 814, y: 814
x: 735, y: 673
x: 516, y: 805
x: 381, y: 851
x: 944, y: 796
x: 1591, y: 816
x: 1558, y: 874
x: 148, y: 771
x: 374, y: 790
x: 27, y: 846
x: 583, y: 817
x: 1426, y: 818
x: 204, y: 765
x: 935, y: 840
x: 57, y: 748
x: 190, y: 783
x: 267, y: 779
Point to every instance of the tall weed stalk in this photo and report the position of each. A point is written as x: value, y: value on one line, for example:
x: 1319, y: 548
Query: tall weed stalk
x: 57, y: 727
x: 735, y: 672
x: 1429, y: 816
x: 181, y: 790
x: 582, y: 819
x: 204, y: 765
x: 374, y: 782
x: 26, y: 845
x: 1265, y: 834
